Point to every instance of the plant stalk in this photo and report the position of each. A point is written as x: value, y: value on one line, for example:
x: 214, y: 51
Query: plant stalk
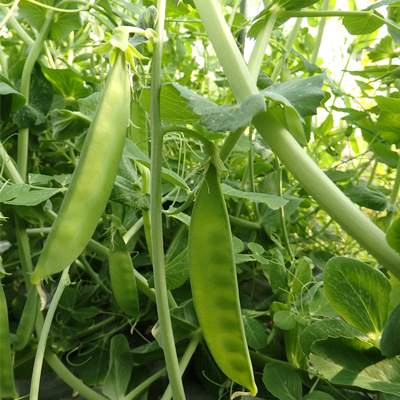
x: 168, y: 343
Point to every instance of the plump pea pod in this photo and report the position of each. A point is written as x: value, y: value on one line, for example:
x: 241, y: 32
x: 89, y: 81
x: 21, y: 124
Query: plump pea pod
x: 214, y: 283
x: 122, y: 275
x: 93, y: 178
x: 7, y: 388
x: 27, y: 322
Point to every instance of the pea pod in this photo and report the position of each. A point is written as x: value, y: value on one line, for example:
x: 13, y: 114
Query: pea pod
x: 27, y: 322
x: 7, y: 388
x: 214, y: 283
x: 123, y: 281
x: 93, y: 178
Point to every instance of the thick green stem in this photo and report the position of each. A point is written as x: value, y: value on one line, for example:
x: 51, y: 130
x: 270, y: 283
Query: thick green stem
x: 20, y: 31
x: 184, y: 362
x: 257, y: 55
x: 396, y: 185
x: 23, y: 137
x: 11, y: 170
x: 167, y: 335
x: 144, y: 385
x: 296, y: 160
x: 37, y: 366
x: 321, y: 27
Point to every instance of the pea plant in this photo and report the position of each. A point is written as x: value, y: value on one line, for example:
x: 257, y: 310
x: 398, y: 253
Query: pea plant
x: 195, y: 204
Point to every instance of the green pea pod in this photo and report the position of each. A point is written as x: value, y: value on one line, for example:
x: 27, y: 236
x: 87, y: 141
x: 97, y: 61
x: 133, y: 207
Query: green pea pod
x: 7, y: 388
x: 94, y: 176
x: 27, y: 322
x: 122, y: 275
x: 214, y: 283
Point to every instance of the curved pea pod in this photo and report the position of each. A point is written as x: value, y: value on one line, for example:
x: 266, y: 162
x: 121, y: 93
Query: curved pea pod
x: 123, y: 282
x: 27, y: 322
x: 7, y: 387
x: 214, y: 283
x: 93, y: 178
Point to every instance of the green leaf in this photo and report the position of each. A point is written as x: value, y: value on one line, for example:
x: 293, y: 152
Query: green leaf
x: 17, y: 100
x: 319, y: 305
x: 395, y: 293
x: 173, y: 106
x: 302, y: 276
x: 88, y: 105
x: 389, y: 127
x: 272, y: 201
x: 390, y: 345
x: 393, y: 235
x: 304, y: 95
x: 363, y: 24
x: 68, y: 124
x: 132, y: 151
x: 124, y: 192
x: 255, y: 332
x: 385, y: 155
x: 282, y: 381
x: 40, y: 100
x: 318, y: 395
x: 64, y: 23
x: 34, y: 197
x: 369, y: 198
x: 67, y: 82
x: 350, y: 363
x: 284, y: 320
x: 81, y: 314
x: 329, y: 328
x: 276, y: 274
x: 359, y: 293
x: 120, y: 367
x: 34, y: 14
x: 12, y: 191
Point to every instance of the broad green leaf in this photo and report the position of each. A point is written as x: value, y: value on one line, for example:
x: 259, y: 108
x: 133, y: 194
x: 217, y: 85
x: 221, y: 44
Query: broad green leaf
x: 395, y: 293
x: 120, y: 368
x: 68, y: 124
x: 125, y: 193
x: 369, y: 198
x: 84, y: 313
x: 66, y: 82
x: 65, y: 23
x: 17, y: 100
x: 255, y: 332
x: 393, y: 235
x: 344, y: 364
x: 34, y: 197
x: 34, y: 14
x: 276, y: 274
x: 318, y: 395
x: 222, y: 118
x: 340, y: 176
x: 328, y: 328
x: 388, y: 104
x: 12, y: 191
x: 363, y: 24
x: 389, y: 127
x: 319, y: 305
x: 390, y: 344
x: 173, y: 106
x: 88, y: 105
x: 40, y: 100
x: 272, y: 201
x: 302, y: 276
x: 132, y: 151
x: 385, y: 155
x: 282, y: 381
x: 147, y: 19
x: 304, y: 95
x: 359, y: 293
x: 284, y: 320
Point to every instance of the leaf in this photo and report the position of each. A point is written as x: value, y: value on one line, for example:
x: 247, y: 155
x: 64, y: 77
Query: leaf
x: 343, y: 364
x: 319, y: 305
x: 12, y: 191
x: 393, y: 235
x: 173, y: 106
x: 369, y: 198
x: 124, y: 192
x: 40, y: 100
x: 318, y: 395
x: 276, y: 274
x: 284, y: 320
x: 389, y: 127
x: 255, y: 332
x: 68, y: 124
x: 132, y: 151
x: 272, y: 201
x: 81, y: 314
x: 120, y: 367
x: 147, y: 19
x: 363, y: 24
x: 385, y: 155
x: 359, y: 293
x: 18, y: 100
x: 329, y: 328
x: 64, y: 23
x: 34, y: 14
x: 282, y: 381
x: 302, y: 276
x: 304, y: 95
x: 34, y: 197
x: 390, y: 345
x: 66, y: 82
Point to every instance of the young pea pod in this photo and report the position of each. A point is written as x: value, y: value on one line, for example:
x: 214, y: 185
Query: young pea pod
x: 94, y: 176
x: 123, y: 281
x: 7, y: 388
x: 214, y: 283
x: 27, y: 322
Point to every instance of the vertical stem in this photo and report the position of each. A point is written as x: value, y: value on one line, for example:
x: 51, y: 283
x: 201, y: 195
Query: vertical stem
x: 167, y: 336
x: 396, y: 185
x: 261, y: 45
x: 3, y: 63
x: 321, y: 27
x: 23, y: 138
x: 14, y: 24
x: 242, y: 34
x: 372, y: 174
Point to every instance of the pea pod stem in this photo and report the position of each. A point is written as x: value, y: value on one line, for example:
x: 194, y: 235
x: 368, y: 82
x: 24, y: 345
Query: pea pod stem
x: 37, y: 366
x: 156, y: 214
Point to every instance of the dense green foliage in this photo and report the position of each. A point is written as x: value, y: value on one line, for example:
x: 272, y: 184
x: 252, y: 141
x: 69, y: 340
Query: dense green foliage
x: 305, y: 165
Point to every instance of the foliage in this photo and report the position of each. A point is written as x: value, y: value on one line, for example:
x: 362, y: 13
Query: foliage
x: 309, y: 171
